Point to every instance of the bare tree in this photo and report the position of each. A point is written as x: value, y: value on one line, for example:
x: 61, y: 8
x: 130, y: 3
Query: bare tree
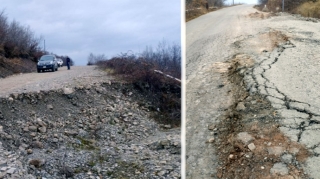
x: 94, y: 59
x: 17, y: 40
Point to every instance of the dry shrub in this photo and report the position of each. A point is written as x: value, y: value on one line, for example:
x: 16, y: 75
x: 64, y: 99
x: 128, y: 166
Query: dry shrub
x: 16, y: 65
x: 163, y: 93
x: 194, y: 13
x: 274, y: 5
x: 309, y: 9
x: 196, y: 8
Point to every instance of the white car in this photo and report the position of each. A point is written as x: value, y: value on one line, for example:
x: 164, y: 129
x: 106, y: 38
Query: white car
x: 60, y: 62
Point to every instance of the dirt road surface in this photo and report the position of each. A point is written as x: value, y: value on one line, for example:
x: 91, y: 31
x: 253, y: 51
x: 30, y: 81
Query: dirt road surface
x: 33, y: 82
x: 253, y: 108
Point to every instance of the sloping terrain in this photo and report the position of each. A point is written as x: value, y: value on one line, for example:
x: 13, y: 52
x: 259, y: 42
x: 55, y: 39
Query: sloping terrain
x: 89, y: 128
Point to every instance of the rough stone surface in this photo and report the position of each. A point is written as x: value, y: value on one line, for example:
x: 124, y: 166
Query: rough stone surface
x: 80, y: 138
x: 245, y: 137
x: 310, y: 138
x: 280, y: 169
x: 251, y: 146
x: 241, y: 106
x: 275, y: 150
x: 287, y: 158
x: 312, y: 166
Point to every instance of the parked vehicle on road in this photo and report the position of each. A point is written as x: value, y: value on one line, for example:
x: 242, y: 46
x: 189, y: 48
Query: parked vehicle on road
x: 60, y: 62
x: 47, y: 62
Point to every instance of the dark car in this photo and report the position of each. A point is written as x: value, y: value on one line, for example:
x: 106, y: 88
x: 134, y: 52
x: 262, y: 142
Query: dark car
x: 47, y: 62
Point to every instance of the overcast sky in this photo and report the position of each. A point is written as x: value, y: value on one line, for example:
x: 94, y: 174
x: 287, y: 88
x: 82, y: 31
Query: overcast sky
x: 242, y: 1
x: 78, y: 28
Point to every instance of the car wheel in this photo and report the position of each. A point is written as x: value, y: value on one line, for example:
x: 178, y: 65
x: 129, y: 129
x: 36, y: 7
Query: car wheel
x: 39, y: 71
x: 57, y: 69
x: 53, y: 69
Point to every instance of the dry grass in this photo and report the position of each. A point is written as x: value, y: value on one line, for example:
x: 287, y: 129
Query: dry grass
x: 16, y: 65
x: 309, y: 9
x: 194, y: 13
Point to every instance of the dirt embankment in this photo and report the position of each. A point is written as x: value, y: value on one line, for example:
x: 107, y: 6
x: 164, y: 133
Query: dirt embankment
x: 85, y: 131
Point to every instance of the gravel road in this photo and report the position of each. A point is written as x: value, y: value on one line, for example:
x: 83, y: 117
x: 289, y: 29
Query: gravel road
x: 35, y: 82
x: 285, y: 51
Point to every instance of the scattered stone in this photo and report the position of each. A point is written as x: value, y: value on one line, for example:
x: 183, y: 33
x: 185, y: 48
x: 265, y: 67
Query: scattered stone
x: 37, y: 144
x: 286, y: 158
x: 71, y: 133
x: 11, y: 170
x: 62, y: 138
x: 41, y: 123
x: 279, y: 169
x: 2, y: 175
x: 26, y: 129
x: 294, y: 150
x: 29, y: 151
x: 32, y: 128
x: 33, y: 134
x: 240, y: 106
x: 211, y: 140
x: 37, y: 162
x: 55, y: 140
x: 68, y: 90
x: 211, y: 127
x: 251, y: 146
x: 49, y: 106
x: 164, y: 142
x: 42, y: 129
x: 275, y: 150
x: 245, y: 137
x: 167, y: 126
x: 67, y: 171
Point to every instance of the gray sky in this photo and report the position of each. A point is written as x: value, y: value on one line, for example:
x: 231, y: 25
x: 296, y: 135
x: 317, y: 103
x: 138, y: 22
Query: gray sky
x: 77, y: 28
x: 242, y: 1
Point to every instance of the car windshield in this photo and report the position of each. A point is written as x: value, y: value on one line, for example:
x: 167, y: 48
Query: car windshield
x: 46, y: 58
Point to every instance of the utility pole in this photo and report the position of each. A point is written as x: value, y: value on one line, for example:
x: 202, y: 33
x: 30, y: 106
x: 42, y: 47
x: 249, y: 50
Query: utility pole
x: 233, y: 2
x: 44, y: 45
x: 282, y: 5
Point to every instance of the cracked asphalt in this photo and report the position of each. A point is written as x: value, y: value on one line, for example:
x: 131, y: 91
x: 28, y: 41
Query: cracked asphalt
x: 285, y: 49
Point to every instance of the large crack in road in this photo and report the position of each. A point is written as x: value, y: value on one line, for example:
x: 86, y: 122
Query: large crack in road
x: 252, y: 108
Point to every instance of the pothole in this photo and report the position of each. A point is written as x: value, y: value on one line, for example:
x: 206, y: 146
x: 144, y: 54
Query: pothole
x: 260, y: 15
x: 249, y: 142
x: 262, y: 42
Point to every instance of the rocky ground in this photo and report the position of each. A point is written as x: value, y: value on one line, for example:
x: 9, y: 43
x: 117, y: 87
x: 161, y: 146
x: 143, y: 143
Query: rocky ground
x: 103, y: 130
